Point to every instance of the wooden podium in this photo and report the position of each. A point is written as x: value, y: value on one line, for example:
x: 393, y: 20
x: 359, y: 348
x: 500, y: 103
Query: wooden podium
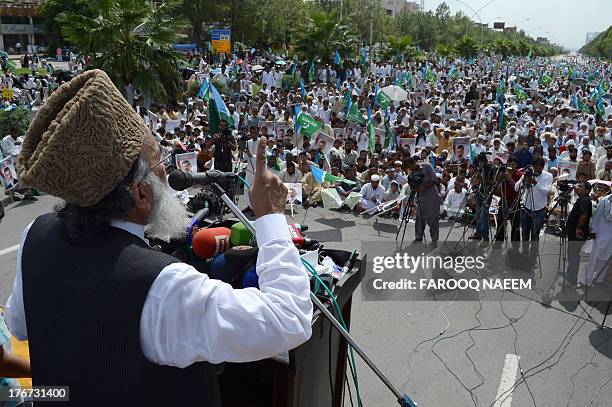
x: 310, y: 375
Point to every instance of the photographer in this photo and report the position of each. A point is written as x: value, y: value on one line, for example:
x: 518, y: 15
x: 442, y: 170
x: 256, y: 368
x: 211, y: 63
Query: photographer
x: 508, y: 197
x: 578, y: 230
x: 224, y: 144
x: 427, y: 200
x: 483, y: 181
x: 537, y: 184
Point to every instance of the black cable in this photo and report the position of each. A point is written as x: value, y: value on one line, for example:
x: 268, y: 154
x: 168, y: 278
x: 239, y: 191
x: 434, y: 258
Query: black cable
x: 475, y: 328
x: 353, y: 374
x: 348, y: 384
x: 329, y: 361
x: 569, y: 335
x: 512, y: 321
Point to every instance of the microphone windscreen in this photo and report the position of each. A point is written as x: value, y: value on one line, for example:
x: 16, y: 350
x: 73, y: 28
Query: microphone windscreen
x: 240, y: 235
x: 250, y: 279
x: 208, y: 243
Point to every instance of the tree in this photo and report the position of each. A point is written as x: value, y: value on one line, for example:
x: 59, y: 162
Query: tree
x: 322, y: 34
x: 443, y: 11
x: 397, y: 48
x: 444, y: 51
x: 133, y: 42
x: 50, y: 9
x: 467, y: 47
x: 199, y: 12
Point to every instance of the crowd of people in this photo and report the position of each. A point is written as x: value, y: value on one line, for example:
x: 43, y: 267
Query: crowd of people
x: 534, y: 122
x: 379, y: 121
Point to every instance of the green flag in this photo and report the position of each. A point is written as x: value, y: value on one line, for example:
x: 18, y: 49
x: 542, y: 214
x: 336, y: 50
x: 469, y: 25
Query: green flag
x: 382, y: 99
x: 546, y: 79
x: 217, y: 111
x: 355, y: 116
x: 371, y: 133
x: 311, y: 73
x: 388, y: 134
x: 520, y: 92
x: 308, y: 125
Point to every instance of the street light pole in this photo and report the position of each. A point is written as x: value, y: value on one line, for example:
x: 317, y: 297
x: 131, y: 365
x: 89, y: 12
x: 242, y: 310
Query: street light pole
x: 476, y: 13
x: 371, y: 26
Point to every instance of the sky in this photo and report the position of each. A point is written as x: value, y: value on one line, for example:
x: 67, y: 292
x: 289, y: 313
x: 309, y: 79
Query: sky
x: 563, y: 22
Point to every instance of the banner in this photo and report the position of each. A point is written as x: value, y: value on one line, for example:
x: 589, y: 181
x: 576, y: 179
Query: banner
x: 221, y: 41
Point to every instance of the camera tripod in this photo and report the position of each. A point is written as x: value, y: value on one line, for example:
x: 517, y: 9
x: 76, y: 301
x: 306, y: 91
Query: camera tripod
x: 406, y: 216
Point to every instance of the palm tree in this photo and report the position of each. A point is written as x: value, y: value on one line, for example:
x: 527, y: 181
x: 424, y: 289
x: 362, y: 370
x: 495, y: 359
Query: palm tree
x: 132, y: 41
x: 467, y: 47
x: 398, y: 47
x: 322, y: 34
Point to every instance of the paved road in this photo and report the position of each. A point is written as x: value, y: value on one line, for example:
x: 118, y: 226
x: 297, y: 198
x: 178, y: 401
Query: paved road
x: 391, y: 330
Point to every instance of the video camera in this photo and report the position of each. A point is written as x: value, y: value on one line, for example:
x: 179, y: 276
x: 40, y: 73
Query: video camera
x: 415, y: 178
x: 565, y: 186
x: 529, y: 171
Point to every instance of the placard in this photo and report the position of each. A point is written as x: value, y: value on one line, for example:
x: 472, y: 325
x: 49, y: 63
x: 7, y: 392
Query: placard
x: 187, y: 162
x: 8, y: 175
x: 461, y: 149
x: 294, y: 192
x: 171, y: 125
x: 569, y: 168
x: 152, y: 121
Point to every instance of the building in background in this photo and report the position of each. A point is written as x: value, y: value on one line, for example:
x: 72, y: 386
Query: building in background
x: 395, y: 7
x: 591, y: 36
x: 20, y: 23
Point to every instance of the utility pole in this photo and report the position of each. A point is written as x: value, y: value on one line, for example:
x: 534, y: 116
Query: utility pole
x: 371, y: 26
x: 341, y: 8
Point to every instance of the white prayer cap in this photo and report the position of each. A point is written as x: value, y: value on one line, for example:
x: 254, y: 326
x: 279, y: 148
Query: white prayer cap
x: 375, y: 177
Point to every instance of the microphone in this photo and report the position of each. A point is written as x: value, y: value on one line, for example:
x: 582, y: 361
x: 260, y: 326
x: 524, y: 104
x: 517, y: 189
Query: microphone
x: 207, y: 243
x: 180, y: 180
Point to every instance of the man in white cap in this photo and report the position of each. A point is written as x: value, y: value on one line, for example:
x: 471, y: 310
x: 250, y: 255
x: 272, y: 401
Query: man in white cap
x: 511, y: 136
x: 497, y: 148
x: 372, y: 194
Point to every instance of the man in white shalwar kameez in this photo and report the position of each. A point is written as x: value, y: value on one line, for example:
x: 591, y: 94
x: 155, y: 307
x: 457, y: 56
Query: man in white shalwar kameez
x: 600, y: 261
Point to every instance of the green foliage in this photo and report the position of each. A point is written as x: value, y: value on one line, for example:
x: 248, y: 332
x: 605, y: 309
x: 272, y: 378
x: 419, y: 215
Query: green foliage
x: 322, y: 34
x: 467, y: 47
x: 132, y: 41
x: 19, y: 117
x: 39, y: 71
x: 51, y: 9
x: 398, y: 48
x: 290, y: 81
x: 445, y: 51
x: 601, y: 46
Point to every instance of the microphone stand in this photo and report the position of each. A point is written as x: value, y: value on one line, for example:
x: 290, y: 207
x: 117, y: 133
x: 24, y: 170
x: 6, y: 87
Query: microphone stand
x: 402, y: 399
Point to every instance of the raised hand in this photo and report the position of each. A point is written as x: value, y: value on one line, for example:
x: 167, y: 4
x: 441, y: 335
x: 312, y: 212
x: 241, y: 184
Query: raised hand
x: 268, y: 194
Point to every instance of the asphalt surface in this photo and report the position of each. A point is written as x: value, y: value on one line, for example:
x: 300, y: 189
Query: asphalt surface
x: 565, y: 359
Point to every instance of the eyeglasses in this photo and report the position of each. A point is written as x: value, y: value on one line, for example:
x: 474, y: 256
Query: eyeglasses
x: 163, y: 160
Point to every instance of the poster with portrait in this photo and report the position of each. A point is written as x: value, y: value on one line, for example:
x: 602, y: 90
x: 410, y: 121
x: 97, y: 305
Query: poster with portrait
x: 461, y: 149
x: 8, y: 175
x: 294, y: 192
x: 327, y: 140
x: 187, y: 162
x: 568, y: 169
x: 380, y: 135
x: 152, y: 121
x: 339, y: 132
x: 281, y: 130
x: 408, y: 141
x: 269, y: 126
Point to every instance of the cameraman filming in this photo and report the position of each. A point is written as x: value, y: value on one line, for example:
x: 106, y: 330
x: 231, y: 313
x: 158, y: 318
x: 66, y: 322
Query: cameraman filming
x: 427, y: 200
x: 508, y: 197
x: 482, y: 183
x: 537, y: 184
x: 578, y: 230
x: 224, y: 144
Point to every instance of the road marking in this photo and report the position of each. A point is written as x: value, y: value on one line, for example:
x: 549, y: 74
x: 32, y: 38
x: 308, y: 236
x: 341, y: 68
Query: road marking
x: 9, y: 250
x: 508, y: 379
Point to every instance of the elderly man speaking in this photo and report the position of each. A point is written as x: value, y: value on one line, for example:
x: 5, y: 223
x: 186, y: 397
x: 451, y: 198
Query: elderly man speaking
x: 105, y: 314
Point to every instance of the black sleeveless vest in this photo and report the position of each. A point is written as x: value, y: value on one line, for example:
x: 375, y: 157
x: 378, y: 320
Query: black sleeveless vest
x: 83, y: 306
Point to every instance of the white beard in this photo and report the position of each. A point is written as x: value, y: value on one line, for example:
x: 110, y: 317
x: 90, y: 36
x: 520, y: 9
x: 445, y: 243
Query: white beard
x: 169, y: 217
